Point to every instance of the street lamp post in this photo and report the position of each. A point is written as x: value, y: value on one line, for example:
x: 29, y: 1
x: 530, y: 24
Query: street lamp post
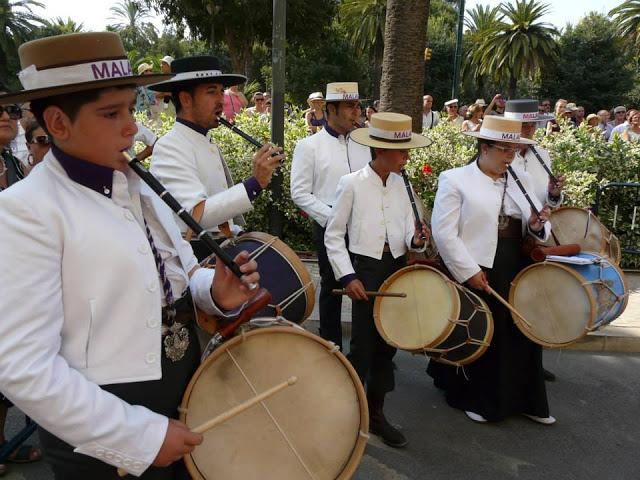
x: 458, y: 56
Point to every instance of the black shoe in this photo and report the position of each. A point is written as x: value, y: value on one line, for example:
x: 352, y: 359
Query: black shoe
x: 389, y: 434
x: 548, y: 376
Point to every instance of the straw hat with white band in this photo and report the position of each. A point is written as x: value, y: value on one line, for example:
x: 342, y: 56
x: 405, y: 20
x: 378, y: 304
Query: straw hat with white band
x: 342, y: 92
x: 390, y: 131
x: 194, y: 70
x: 73, y: 63
x: 525, y: 110
x: 500, y: 129
x: 315, y: 97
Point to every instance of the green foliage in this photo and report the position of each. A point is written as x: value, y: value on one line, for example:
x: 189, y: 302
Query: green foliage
x: 592, y: 66
x: 627, y: 18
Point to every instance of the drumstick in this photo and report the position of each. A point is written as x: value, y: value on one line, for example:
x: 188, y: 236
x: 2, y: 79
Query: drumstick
x: 343, y: 291
x: 507, y: 304
x: 238, y: 409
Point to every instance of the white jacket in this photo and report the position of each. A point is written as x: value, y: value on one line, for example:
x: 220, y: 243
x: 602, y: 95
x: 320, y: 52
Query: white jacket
x: 465, y: 217
x: 192, y: 169
x: 81, y: 304
x: 371, y: 213
x: 319, y: 161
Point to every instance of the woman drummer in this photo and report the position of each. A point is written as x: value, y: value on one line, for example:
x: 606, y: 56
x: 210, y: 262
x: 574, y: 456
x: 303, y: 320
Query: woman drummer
x: 479, y: 220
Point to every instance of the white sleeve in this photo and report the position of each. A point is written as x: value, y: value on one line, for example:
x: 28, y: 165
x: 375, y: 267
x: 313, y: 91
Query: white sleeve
x: 445, y: 219
x: 145, y: 135
x: 334, y: 236
x: 35, y: 376
x: 179, y: 174
x: 302, y: 171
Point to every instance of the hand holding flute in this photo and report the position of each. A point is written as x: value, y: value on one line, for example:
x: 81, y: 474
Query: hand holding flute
x: 265, y: 161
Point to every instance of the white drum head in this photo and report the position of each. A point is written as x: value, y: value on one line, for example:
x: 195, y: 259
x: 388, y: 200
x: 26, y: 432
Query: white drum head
x: 553, y: 299
x: 425, y: 316
x: 311, y: 429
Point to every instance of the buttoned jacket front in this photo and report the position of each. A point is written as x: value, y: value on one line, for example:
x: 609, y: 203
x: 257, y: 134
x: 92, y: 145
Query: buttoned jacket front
x: 82, y: 307
x: 319, y: 161
x: 465, y: 215
x: 530, y: 164
x: 371, y: 213
x: 192, y: 169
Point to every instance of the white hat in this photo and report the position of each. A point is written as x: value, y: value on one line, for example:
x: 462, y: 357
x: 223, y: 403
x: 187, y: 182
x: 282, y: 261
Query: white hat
x: 342, y: 92
x: 450, y: 102
x: 391, y: 131
x: 501, y: 129
x: 167, y: 59
x: 481, y: 102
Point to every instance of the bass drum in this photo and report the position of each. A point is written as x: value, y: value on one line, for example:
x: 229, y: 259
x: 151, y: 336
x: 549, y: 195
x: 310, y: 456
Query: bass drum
x: 281, y: 272
x: 315, y: 429
x: 577, y: 225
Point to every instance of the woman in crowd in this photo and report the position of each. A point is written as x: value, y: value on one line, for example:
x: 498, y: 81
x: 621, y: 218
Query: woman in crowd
x: 632, y: 132
x: 37, y: 142
x: 314, y: 116
x: 474, y: 118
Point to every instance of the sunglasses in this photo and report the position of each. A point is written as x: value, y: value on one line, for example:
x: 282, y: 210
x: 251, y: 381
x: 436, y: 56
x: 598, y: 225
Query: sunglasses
x: 41, y: 140
x: 506, y: 149
x: 452, y: 106
x: 14, y: 111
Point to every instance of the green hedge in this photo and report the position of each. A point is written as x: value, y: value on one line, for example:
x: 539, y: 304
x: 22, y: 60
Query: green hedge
x: 580, y: 154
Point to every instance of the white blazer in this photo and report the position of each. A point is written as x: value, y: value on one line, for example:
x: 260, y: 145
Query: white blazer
x: 192, y: 170
x: 372, y: 213
x: 465, y: 217
x: 81, y: 304
x: 319, y: 161
x: 539, y: 176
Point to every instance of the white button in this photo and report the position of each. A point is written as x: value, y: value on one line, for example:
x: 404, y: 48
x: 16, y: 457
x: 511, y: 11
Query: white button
x: 151, y: 358
x: 128, y: 215
x: 152, y: 323
x: 108, y: 455
x: 126, y: 462
x: 144, y: 248
x: 152, y: 286
x: 137, y: 465
x: 99, y: 452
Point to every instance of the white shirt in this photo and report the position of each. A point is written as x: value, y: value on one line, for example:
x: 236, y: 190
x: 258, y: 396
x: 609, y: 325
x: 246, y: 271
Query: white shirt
x: 82, y: 307
x: 145, y: 135
x: 19, y: 146
x: 465, y: 215
x: 539, y: 176
x: 319, y: 161
x: 430, y: 120
x: 617, y: 130
x: 191, y: 167
x: 371, y: 213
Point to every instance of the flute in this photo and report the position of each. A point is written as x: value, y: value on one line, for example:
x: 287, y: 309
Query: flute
x: 200, y: 232
x: 531, y: 204
x: 244, y: 135
x: 416, y: 214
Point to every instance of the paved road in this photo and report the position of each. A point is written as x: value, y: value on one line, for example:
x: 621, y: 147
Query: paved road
x: 596, y: 401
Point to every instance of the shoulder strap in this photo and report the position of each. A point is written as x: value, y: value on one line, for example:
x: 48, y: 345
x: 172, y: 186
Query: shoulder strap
x: 196, y: 213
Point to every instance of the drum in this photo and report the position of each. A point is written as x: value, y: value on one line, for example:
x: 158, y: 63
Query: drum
x: 314, y: 429
x: 438, y: 317
x: 281, y: 272
x: 561, y: 302
x: 577, y: 225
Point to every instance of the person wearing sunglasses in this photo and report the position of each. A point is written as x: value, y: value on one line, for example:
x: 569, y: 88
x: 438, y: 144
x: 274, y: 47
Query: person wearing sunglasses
x: 11, y: 169
x: 452, y: 112
x: 37, y: 142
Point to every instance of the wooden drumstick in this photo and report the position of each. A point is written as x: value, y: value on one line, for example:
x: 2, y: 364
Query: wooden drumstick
x: 343, y: 291
x: 238, y: 409
x: 507, y: 304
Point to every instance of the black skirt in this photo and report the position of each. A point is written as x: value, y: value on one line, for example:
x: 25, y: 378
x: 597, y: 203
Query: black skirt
x: 508, y: 379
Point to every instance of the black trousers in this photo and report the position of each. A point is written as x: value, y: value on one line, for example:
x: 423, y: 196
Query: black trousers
x: 370, y: 355
x: 330, y: 306
x: 162, y: 396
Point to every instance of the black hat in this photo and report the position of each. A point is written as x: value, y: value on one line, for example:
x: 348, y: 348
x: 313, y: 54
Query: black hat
x: 525, y: 110
x: 195, y: 70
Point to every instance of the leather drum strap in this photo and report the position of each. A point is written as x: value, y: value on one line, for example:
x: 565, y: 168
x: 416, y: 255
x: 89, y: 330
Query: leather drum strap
x: 197, y: 213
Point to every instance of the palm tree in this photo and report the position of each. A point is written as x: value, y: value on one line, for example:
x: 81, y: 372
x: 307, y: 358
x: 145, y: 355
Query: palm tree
x: 17, y: 22
x: 60, y: 26
x: 518, y: 45
x: 131, y: 15
x: 364, y: 22
x: 403, y: 63
x: 628, y: 20
x: 481, y: 22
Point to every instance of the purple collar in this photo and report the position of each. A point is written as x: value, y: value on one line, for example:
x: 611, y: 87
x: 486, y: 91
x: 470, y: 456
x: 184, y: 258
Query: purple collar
x: 192, y: 126
x: 331, y: 131
x: 96, y: 177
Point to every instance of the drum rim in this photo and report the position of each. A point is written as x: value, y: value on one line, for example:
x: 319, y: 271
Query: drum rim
x: 287, y: 253
x: 358, y: 449
x: 525, y: 330
x: 606, y: 247
x: 625, y: 285
x: 378, y: 305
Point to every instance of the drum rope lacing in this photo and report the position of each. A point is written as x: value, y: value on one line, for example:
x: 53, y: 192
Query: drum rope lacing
x: 275, y: 422
x: 600, y: 282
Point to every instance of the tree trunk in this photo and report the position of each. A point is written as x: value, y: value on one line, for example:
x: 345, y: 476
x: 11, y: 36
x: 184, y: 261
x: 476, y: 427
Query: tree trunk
x: 513, y: 85
x: 378, y: 52
x: 403, y: 61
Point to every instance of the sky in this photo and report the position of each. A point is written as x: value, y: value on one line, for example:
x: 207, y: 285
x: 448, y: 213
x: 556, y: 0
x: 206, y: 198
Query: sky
x: 94, y: 14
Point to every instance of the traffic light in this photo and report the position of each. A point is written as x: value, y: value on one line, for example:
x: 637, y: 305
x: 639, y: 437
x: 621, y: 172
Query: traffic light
x: 427, y: 54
